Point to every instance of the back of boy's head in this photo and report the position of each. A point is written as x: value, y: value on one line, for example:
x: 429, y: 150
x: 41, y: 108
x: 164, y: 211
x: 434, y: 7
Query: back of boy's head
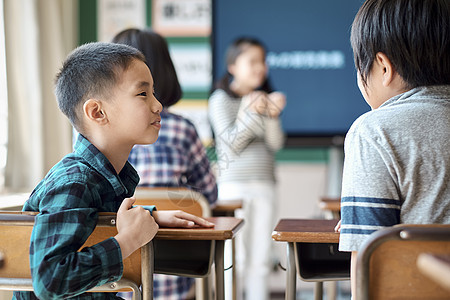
x: 413, y: 34
x: 91, y: 71
x: 156, y: 52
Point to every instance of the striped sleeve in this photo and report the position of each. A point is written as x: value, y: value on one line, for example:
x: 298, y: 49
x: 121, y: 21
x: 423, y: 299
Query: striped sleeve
x: 370, y: 197
x: 273, y: 134
x: 233, y: 124
x: 361, y: 216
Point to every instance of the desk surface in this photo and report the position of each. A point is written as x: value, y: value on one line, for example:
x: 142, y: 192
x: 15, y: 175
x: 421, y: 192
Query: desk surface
x: 227, y: 206
x: 306, y: 231
x: 331, y: 204
x: 225, y: 228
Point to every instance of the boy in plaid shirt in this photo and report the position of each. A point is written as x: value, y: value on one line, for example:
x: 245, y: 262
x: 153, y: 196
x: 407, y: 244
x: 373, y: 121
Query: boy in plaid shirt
x: 106, y: 91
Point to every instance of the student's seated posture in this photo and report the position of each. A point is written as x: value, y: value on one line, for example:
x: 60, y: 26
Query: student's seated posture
x: 106, y: 91
x: 397, y: 158
x: 177, y: 158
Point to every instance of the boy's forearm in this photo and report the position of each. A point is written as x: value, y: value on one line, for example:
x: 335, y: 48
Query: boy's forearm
x: 58, y: 269
x: 67, y: 275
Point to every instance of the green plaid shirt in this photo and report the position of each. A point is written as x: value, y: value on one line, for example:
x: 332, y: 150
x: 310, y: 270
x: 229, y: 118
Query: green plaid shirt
x: 68, y: 200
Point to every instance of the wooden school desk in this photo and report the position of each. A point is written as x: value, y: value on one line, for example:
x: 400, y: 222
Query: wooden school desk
x: 226, y: 208
x: 312, y: 251
x: 225, y: 228
x: 331, y: 205
x: 188, y: 249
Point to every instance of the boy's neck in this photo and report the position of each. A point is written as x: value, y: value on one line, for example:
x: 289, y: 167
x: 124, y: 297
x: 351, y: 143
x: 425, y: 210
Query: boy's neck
x: 117, y: 154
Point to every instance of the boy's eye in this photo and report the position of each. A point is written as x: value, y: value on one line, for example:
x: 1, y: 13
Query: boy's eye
x: 142, y: 94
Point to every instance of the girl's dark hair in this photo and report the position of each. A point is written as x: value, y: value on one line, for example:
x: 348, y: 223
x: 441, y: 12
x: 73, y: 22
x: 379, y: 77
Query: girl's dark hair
x: 235, y: 49
x: 413, y: 34
x: 91, y: 70
x: 156, y: 52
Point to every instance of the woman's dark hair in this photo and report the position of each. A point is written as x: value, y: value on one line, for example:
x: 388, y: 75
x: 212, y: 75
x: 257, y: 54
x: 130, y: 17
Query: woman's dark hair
x: 156, y: 52
x: 235, y: 49
x: 413, y: 34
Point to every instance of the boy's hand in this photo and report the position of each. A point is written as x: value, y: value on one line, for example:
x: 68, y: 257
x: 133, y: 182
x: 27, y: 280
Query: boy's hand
x: 178, y: 218
x: 338, y: 227
x: 135, y: 227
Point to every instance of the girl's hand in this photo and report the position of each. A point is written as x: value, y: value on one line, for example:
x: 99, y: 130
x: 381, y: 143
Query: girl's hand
x: 135, y: 227
x: 275, y: 104
x: 178, y: 218
x: 256, y: 102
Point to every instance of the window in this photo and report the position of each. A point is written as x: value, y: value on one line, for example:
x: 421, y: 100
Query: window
x: 3, y: 103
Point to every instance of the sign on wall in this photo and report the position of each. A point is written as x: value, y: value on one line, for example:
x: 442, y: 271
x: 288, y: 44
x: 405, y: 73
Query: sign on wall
x: 193, y: 66
x: 182, y: 17
x: 117, y: 15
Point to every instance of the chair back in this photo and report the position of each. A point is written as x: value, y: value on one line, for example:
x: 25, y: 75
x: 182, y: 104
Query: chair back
x: 15, y: 234
x: 174, y: 198
x: 386, y: 265
x: 172, y: 257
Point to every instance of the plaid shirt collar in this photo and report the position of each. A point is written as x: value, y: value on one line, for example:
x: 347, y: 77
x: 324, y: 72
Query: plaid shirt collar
x: 124, y: 184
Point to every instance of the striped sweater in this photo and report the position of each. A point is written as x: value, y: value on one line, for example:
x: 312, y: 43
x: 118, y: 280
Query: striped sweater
x: 246, y: 142
x: 397, y: 165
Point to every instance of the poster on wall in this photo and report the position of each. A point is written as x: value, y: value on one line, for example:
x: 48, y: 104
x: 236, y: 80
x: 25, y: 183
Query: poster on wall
x: 193, y: 66
x: 117, y: 15
x: 182, y: 17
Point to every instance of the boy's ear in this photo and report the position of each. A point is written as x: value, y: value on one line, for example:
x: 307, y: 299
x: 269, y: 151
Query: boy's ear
x: 93, y: 111
x: 386, y: 67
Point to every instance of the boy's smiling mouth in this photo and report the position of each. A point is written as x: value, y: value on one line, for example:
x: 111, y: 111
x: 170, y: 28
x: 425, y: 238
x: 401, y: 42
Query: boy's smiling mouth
x: 157, y: 122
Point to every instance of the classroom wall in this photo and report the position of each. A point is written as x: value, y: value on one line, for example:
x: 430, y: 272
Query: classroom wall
x: 302, y: 172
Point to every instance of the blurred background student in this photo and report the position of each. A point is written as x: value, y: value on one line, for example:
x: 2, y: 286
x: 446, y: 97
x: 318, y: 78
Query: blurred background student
x: 178, y: 158
x: 244, y: 115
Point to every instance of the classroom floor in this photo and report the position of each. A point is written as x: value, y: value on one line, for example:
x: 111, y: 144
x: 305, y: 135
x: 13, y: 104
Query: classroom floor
x: 309, y: 295
x: 305, y: 294
x: 305, y: 290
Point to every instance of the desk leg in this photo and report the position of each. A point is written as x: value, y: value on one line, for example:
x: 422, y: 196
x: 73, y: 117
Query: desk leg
x: 291, y: 287
x: 318, y: 290
x: 218, y: 260
x: 147, y: 265
x: 233, y: 269
x: 202, y: 288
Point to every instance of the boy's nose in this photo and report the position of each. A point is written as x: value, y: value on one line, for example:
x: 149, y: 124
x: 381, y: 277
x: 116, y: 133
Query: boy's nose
x: 156, y: 106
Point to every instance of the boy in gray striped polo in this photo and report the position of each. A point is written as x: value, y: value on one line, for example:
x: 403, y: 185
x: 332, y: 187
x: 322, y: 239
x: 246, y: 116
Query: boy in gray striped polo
x: 397, y: 158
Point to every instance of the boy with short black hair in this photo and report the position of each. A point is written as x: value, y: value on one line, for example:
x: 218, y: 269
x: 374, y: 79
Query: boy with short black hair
x: 397, y: 158
x: 106, y: 91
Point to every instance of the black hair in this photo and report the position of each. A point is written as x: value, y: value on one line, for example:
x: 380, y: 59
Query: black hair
x: 156, y: 52
x: 413, y: 34
x: 91, y: 70
x: 235, y: 49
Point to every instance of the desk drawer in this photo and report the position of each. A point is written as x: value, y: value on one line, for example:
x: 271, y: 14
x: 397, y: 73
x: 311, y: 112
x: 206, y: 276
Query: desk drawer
x: 183, y: 258
x: 322, y: 262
